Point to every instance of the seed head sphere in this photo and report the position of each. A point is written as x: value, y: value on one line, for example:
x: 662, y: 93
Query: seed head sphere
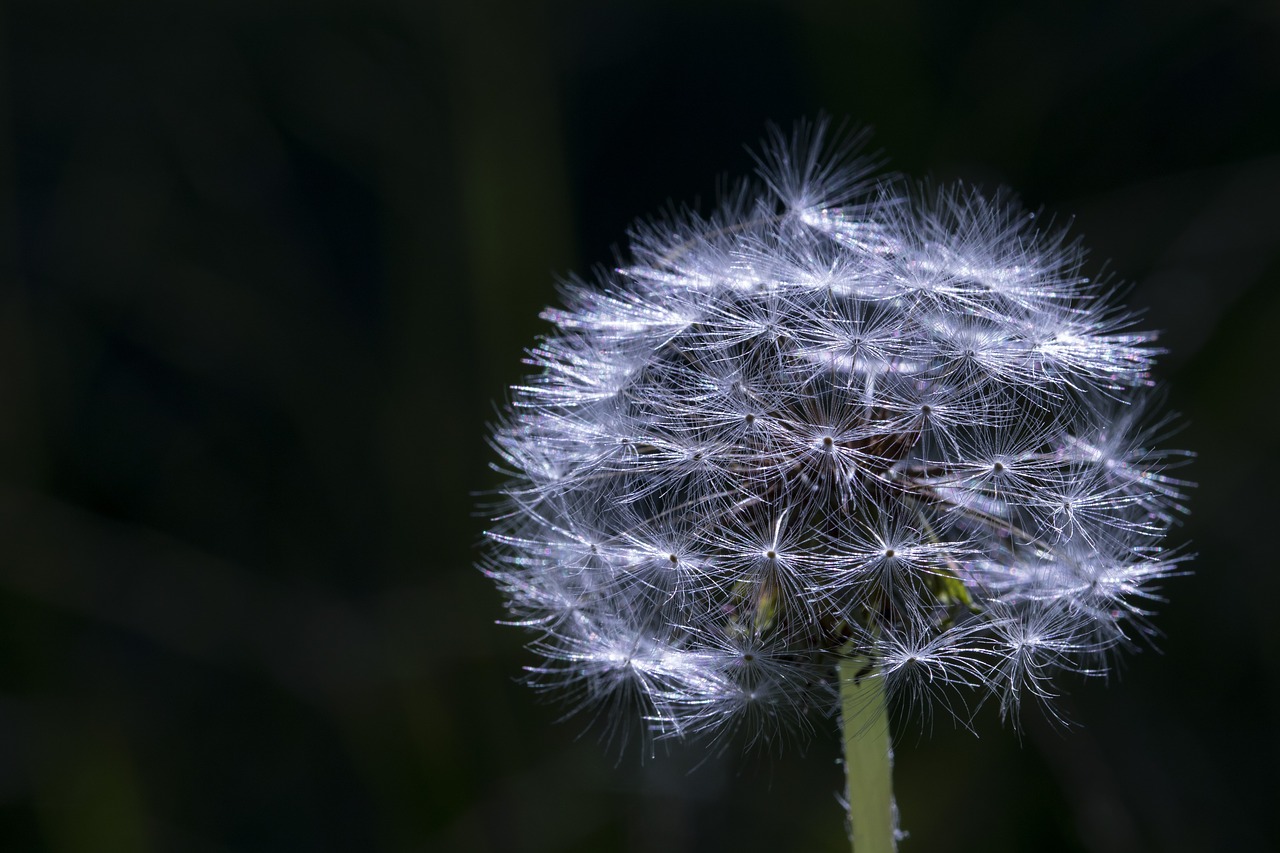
x: 832, y: 419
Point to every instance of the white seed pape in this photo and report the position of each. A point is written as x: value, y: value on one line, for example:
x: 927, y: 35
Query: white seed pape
x: 833, y: 418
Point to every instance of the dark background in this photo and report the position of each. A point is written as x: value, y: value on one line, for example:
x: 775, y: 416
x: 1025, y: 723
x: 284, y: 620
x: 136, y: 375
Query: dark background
x: 267, y: 265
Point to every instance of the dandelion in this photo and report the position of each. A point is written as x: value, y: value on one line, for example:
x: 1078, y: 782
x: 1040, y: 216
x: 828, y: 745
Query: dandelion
x: 835, y: 447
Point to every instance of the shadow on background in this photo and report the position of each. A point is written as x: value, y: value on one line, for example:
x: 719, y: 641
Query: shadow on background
x: 266, y: 267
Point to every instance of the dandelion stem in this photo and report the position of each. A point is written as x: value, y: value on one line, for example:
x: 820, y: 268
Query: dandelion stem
x: 868, y: 758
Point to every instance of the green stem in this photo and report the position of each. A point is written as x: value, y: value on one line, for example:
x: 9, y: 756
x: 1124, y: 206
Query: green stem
x: 868, y: 758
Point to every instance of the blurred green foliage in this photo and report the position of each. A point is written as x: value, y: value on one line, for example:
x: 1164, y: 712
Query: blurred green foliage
x: 267, y: 266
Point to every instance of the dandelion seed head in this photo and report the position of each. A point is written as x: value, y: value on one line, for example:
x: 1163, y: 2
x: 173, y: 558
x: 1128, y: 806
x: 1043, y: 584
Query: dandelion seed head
x: 834, y: 418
